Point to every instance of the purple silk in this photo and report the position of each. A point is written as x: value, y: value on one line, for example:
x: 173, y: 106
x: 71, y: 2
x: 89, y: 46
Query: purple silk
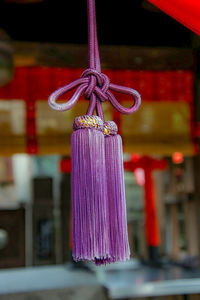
x: 100, y: 89
x: 90, y: 236
x: 119, y: 244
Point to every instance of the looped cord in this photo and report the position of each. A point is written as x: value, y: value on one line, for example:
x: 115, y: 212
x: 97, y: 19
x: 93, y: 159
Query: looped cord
x: 95, y: 85
x: 98, y: 83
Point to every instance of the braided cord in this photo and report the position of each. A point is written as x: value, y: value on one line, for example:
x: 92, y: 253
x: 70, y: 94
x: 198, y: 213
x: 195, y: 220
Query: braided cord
x: 95, y: 85
x: 94, y: 57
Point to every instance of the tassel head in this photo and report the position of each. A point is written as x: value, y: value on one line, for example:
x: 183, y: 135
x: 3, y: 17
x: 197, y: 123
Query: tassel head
x: 88, y: 122
x: 110, y: 128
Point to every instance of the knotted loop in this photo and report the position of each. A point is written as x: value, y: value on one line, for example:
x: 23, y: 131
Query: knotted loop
x: 95, y: 85
x: 98, y: 83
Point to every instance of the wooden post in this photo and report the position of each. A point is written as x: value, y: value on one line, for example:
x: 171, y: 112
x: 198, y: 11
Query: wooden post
x: 149, y: 164
x: 175, y: 231
x: 191, y: 230
x: 130, y: 237
x: 159, y: 185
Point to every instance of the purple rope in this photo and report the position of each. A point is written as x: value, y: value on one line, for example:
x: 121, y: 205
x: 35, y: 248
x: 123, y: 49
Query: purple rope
x: 95, y: 85
x: 94, y: 48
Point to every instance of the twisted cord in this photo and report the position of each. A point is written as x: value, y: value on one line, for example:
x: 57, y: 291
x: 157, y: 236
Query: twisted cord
x: 94, y: 57
x: 95, y: 85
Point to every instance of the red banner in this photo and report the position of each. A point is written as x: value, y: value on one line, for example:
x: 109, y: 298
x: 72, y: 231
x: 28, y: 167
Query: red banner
x: 35, y: 84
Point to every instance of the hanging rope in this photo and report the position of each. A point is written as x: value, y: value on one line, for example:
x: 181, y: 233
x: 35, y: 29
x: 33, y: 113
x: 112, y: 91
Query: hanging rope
x: 93, y: 84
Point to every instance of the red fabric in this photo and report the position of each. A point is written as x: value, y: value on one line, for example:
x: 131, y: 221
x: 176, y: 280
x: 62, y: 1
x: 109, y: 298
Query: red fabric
x: 39, y: 82
x: 186, y: 12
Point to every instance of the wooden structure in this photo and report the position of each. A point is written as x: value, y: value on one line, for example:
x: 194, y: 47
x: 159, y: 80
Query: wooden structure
x: 13, y: 222
x: 43, y: 222
x: 115, y: 57
x: 152, y: 230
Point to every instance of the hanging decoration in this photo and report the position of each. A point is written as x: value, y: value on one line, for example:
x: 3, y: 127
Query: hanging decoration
x: 186, y: 12
x: 98, y: 197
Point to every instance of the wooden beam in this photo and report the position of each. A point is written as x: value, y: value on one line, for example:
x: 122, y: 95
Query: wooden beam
x: 118, y: 57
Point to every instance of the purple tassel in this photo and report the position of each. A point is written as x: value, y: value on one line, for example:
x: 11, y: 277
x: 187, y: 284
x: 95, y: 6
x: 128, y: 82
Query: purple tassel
x: 90, y: 238
x: 119, y: 244
x: 98, y: 197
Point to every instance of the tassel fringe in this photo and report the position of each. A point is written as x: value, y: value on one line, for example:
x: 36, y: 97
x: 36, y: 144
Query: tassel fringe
x: 120, y: 250
x: 89, y: 193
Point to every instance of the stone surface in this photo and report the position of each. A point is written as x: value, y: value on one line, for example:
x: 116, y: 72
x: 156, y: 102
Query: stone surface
x: 51, y: 282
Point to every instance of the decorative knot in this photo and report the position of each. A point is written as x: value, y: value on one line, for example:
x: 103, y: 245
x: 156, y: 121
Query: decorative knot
x: 98, y: 83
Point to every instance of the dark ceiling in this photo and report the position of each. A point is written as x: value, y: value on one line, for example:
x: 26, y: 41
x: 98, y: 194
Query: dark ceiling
x: 124, y: 22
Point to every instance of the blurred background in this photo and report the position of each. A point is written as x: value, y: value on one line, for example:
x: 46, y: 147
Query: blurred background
x: 43, y: 45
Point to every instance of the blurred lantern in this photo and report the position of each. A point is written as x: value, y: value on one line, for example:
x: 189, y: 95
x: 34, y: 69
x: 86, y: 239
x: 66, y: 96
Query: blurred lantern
x: 177, y: 157
x: 6, y: 59
x: 135, y: 157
